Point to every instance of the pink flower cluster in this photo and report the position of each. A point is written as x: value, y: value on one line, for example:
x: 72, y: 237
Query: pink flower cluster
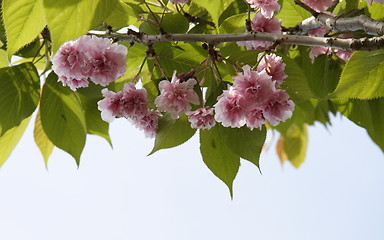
x: 267, y: 7
x: 254, y: 98
x: 319, y: 5
x: 262, y: 24
x: 202, y: 118
x: 132, y: 104
x: 175, y: 96
x: 89, y: 57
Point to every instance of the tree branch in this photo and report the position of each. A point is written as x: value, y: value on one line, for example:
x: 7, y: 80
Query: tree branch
x: 346, y: 44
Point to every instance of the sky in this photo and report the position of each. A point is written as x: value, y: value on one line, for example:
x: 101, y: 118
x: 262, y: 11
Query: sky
x: 121, y: 193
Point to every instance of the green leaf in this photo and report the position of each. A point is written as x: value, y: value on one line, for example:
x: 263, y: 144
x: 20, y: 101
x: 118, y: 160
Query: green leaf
x: 351, y: 5
x: 172, y: 133
x: 3, y: 59
x: 42, y: 141
x: 295, y: 144
x: 217, y: 156
x: 69, y: 19
x: 236, y: 7
x: 362, y: 77
x: 23, y: 21
x: 234, y: 24
x: 291, y: 14
x: 10, y: 139
x: 175, y: 23
x: 367, y: 114
x: 123, y: 15
x: 214, y: 8
x: 376, y: 10
x: 19, y: 94
x: 245, y: 143
x: 95, y: 125
x: 62, y: 117
x: 297, y: 83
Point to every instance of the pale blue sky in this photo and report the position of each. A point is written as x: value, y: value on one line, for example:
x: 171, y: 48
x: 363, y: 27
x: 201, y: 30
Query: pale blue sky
x: 118, y: 194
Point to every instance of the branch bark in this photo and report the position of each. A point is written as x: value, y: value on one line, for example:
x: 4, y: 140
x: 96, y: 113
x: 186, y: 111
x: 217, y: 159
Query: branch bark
x: 346, y: 44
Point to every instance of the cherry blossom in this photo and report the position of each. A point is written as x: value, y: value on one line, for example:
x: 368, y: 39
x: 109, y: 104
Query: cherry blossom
x: 317, y: 51
x: 148, y: 123
x: 175, y: 96
x: 73, y: 83
x: 344, y: 55
x: 111, y: 106
x: 267, y: 7
x: 202, y: 118
x: 319, y: 5
x: 134, y: 101
x: 262, y: 24
x: 278, y: 108
x: 89, y: 57
x: 255, y: 119
x: 107, y: 61
x: 255, y: 87
x: 230, y: 109
x: 274, y: 67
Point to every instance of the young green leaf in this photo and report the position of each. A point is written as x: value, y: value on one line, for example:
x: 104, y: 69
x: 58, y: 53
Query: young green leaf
x: 362, y: 77
x: 10, y: 139
x: 42, y: 141
x: 245, y: 143
x: 69, y: 19
x: 291, y: 14
x: 62, y: 117
x: 295, y: 144
x: 19, y: 94
x: 172, y: 133
x: 217, y: 156
x: 23, y: 21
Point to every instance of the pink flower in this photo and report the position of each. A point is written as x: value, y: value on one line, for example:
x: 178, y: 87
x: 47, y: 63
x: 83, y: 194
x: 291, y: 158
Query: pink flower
x: 107, y: 60
x: 148, y: 123
x: 344, y: 55
x: 178, y: 1
x: 175, y: 96
x: 73, y: 83
x: 267, y: 7
x: 230, y: 109
x: 317, y: 51
x: 318, y: 32
x: 111, y: 106
x: 202, y: 118
x: 278, y: 108
x: 134, y: 101
x: 274, y: 67
x: 255, y: 87
x: 255, y: 119
x: 70, y: 61
x: 319, y: 5
x: 262, y: 24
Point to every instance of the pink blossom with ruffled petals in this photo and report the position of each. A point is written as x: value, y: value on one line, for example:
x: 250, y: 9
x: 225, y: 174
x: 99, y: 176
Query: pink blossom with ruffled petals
x: 111, y: 106
x: 73, y: 83
x: 319, y: 5
x: 267, y: 7
x: 274, y: 67
x: 70, y: 61
x: 318, y: 32
x: 262, y: 24
x: 255, y: 119
x: 175, y: 96
x: 278, y: 108
x: 202, y: 118
x: 134, y: 101
x: 230, y: 109
x: 107, y: 60
x: 148, y: 123
x: 255, y: 87
x: 317, y: 51
x: 344, y: 55
x: 178, y: 1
